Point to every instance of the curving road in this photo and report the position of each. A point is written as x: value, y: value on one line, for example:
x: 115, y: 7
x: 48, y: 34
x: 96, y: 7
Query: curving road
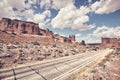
x: 55, y: 69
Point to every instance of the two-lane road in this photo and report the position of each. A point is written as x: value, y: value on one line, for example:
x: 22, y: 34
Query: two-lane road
x: 55, y: 69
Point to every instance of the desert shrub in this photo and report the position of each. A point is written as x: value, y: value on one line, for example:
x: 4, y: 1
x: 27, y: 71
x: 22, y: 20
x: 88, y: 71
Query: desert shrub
x: 40, y: 57
x: 54, y: 45
x: 20, y: 50
x: 66, y: 54
x: 15, y: 61
x: 1, y: 64
x: 36, y: 43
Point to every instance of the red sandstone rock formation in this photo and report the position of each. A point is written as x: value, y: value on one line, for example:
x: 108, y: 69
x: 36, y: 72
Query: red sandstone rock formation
x: 110, y: 42
x: 23, y: 27
x: 48, y: 32
x: 19, y: 27
x: 72, y: 38
x: 59, y: 38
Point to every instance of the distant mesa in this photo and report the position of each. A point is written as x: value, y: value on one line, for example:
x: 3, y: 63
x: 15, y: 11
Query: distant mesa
x: 110, y: 42
x: 19, y: 27
x: 107, y: 42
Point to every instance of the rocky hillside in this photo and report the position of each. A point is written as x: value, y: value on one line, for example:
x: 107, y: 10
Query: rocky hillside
x: 19, y: 27
x: 23, y: 42
x: 13, y: 54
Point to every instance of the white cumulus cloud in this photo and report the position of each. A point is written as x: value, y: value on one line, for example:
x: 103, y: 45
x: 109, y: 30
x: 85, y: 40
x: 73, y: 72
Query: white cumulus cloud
x: 6, y: 10
x: 18, y: 4
x: 99, y: 32
x: 105, y: 31
x: 7, y: 6
x: 71, y: 17
x: 55, y: 4
x: 105, y: 6
x: 41, y: 18
x: 58, y: 4
x: 45, y: 4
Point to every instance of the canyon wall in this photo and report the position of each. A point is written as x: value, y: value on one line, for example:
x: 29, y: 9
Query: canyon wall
x: 110, y: 42
x: 23, y: 27
x: 19, y: 27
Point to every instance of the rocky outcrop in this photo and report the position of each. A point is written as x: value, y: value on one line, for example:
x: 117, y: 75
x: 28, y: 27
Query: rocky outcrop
x: 48, y: 32
x: 23, y: 27
x: 72, y: 38
x: 19, y: 27
x: 110, y: 42
x: 59, y: 38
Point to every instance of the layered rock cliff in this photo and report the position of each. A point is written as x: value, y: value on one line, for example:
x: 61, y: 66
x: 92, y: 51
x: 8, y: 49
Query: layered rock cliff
x: 19, y: 27
x: 110, y: 42
x: 23, y: 27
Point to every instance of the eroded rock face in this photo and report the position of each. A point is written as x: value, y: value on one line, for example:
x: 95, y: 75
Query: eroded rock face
x: 72, y: 38
x: 19, y: 27
x: 110, y: 42
x: 58, y: 38
x: 48, y: 32
x: 23, y: 27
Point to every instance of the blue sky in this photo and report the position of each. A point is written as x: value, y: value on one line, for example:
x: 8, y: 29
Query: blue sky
x: 89, y: 20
